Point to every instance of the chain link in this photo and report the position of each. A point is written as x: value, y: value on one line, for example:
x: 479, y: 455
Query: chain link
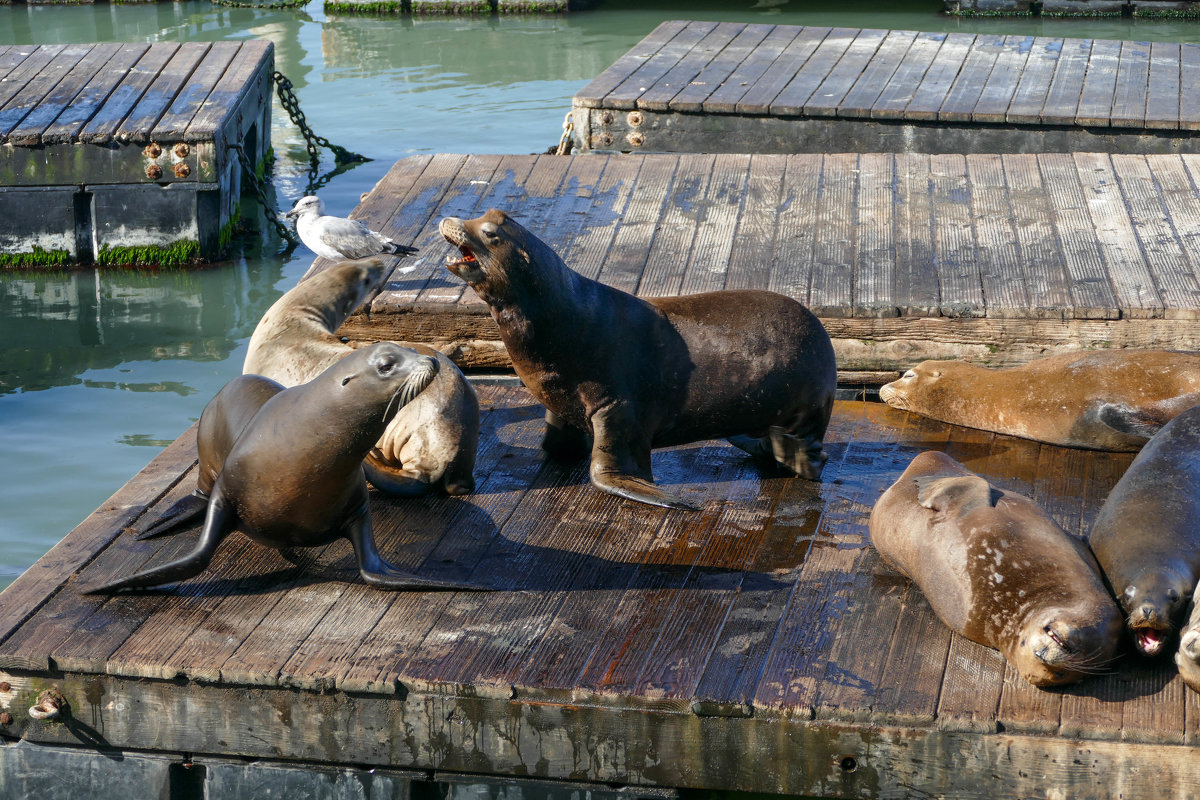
x: 260, y: 191
x: 269, y: 4
x: 291, y: 104
x: 565, y: 143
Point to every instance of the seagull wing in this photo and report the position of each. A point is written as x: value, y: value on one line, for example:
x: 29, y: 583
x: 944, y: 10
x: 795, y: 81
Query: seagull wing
x: 350, y: 237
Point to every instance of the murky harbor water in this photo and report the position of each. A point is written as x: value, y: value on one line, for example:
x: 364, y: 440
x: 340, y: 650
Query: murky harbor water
x: 100, y: 370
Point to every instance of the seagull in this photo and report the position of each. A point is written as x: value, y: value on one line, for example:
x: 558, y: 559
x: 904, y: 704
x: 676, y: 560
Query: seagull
x: 338, y: 237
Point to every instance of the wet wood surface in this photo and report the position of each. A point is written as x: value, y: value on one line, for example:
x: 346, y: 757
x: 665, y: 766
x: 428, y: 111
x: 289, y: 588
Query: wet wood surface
x: 766, y: 604
x: 993, y: 258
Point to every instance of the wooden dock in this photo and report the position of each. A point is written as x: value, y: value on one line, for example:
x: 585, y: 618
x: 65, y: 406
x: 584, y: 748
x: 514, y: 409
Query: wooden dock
x: 993, y: 258
x: 705, y: 87
x: 120, y: 153
x: 758, y: 644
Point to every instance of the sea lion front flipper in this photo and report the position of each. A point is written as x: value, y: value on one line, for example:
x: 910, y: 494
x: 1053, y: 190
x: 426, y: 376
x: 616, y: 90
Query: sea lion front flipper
x: 185, y: 510
x: 378, y: 572
x: 1129, y: 420
x: 396, y: 482
x: 621, y: 465
x: 219, y: 523
x: 939, y: 492
x: 562, y: 441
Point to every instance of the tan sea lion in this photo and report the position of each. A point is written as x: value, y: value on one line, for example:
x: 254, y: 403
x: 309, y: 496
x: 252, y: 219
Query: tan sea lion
x: 432, y: 442
x: 1187, y: 658
x: 997, y: 570
x: 293, y: 475
x: 1099, y: 400
x: 636, y: 374
x: 1147, y: 534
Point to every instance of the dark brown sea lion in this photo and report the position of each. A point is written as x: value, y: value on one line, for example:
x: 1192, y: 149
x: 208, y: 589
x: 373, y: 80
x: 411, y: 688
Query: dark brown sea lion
x: 293, y: 475
x: 1100, y: 400
x: 1147, y: 534
x: 432, y: 442
x: 636, y: 374
x: 997, y: 570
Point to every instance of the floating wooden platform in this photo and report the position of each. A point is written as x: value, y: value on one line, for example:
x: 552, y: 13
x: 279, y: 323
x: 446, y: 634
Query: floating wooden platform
x: 730, y: 87
x: 1075, y: 8
x: 758, y: 644
x: 993, y: 258
x: 121, y: 152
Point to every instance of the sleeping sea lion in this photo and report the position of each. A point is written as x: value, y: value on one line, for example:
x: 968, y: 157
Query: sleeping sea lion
x: 432, y: 442
x: 293, y: 475
x: 997, y: 570
x: 636, y: 374
x: 1099, y: 400
x: 1147, y: 534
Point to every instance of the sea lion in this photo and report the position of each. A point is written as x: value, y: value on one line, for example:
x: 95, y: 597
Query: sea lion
x: 1188, y: 656
x: 636, y: 374
x: 432, y: 442
x: 1099, y: 400
x: 1147, y: 534
x: 997, y: 570
x: 293, y: 476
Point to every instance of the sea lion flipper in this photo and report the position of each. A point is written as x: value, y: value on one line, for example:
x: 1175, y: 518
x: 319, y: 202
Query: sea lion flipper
x: 396, y: 482
x: 376, y: 571
x: 185, y: 510
x: 634, y: 488
x: 1129, y: 420
x: 621, y: 460
x: 938, y: 492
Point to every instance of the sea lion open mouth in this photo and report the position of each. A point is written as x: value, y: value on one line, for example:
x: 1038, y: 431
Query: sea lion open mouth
x: 1149, y: 641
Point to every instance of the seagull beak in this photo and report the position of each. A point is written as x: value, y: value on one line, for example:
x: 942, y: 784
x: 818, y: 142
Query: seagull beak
x: 292, y: 214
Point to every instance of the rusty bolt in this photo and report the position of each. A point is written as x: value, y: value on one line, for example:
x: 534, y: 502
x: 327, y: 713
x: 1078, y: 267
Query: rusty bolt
x: 636, y: 139
x: 6, y: 718
x: 5, y: 686
x: 154, y: 172
x: 635, y: 118
x: 604, y: 140
x: 182, y: 171
x: 606, y: 117
x: 152, y: 151
x: 181, y: 150
x: 50, y: 703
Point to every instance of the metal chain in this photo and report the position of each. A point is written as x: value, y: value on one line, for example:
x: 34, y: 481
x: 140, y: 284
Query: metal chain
x: 290, y: 103
x: 260, y: 191
x: 270, y: 4
x: 564, y: 144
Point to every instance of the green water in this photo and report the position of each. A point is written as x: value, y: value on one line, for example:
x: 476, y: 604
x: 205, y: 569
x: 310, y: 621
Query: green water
x: 100, y: 370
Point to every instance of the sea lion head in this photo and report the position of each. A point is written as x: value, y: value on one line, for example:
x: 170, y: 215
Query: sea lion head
x: 498, y: 257
x: 338, y: 291
x: 920, y: 380
x: 373, y: 383
x: 1062, y: 645
x: 1154, y: 602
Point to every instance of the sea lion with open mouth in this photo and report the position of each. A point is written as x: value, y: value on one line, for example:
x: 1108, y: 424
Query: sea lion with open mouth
x: 292, y: 476
x: 996, y: 569
x: 634, y: 374
x: 1147, y: 534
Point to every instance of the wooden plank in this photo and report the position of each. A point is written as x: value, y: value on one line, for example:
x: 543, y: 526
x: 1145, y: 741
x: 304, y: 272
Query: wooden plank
x: 592, y: 95
x: 105, y: 123
x: 1176, y: 179
x: 712, y: 251
x: 1137, y: 296
x: 12, y: 55
x: 930, y: 93
x: 763, y: 91
x: 658, y: 97
x: 838, y: 82
x: 626, y: 259
x: 159, y: 93
x: 861, y: 97
x: 25, y: 69
x: 1173, y: 272
x: 725, y: 97
x: 874, y: 236
x: 750, y: 261
x: 1005, y: 283
x: 1189, y: 86
x: 909, y: 79
x: 1030, y: 96
x: 677, y: 227
x: 38, y: 85
x: 959, y: 281
x: 173, y: 125
x: 63, y: 95
x: 794, y: 231
x: 589, y: 249
x: 1038, y: 247
x: 831, y: 291
x: 968, y: 86
x: 915, y: 291
x: 94, y: 96
x: 1092, y: 295
x: 1132, y: 89
x: 792, y: 98
x: 626, y: 93
x: 1096, y: 98
x: 1066, y: 87
x: 722, y: 70
x: 250, y: 61
x: 1162, y: 93
x: 1002, y: 82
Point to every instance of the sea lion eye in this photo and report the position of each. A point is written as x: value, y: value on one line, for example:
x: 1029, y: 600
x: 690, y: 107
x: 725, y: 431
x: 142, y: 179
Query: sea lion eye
x: 1130, y: 591
x: 1172, y: 595
x: 490, y: 230
x: 345, y: 381
x: 912, y: 373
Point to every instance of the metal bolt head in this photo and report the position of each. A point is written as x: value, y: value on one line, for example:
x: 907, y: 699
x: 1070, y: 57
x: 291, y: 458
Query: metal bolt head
x: 181, y: 150
x: 635, y: 118
x: 152, y: 150
x: 181, y: 170
x: 6, y: 718
x: 5, y: 686
x: 636, y: 139
x: 604, y: 139
x: 154, y: 172
x: 606, y: 117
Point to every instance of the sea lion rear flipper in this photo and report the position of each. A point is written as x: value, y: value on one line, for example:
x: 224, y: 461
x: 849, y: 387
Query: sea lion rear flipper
x: 938, y: 492
x: 219, y: 523
x: 378, y: 572
x: 796, y: 453
x: 185, y: 510
x: 1129, y: 420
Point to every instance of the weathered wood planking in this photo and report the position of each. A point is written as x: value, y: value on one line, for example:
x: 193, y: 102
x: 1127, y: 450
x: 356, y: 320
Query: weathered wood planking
x: 758, y: 644
x: 996, y: 258
x: 701, y: 87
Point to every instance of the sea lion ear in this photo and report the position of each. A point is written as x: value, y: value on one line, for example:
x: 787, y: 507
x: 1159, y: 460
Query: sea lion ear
x: 1129, y: 420
x: 968, y: 491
